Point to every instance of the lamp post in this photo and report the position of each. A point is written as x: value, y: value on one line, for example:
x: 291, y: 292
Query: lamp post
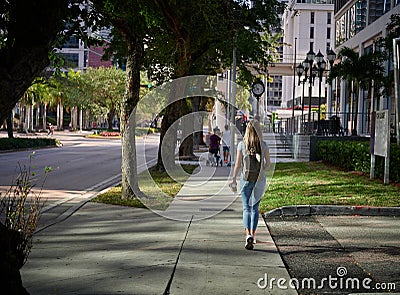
x: 304, y: 68
x: 300, y: 69
x: 321, y: 64
x: 331, y: 56
x: 318, y: 68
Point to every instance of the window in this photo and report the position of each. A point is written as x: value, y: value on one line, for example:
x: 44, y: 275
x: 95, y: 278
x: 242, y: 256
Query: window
x: 328, y: 33
x: 311, y: 45
x: 73, y: 42
x: 71, y: 60
x: 329, y: 18
x: 312, y: 17
x: 311, y: 32
x: 328, y: 46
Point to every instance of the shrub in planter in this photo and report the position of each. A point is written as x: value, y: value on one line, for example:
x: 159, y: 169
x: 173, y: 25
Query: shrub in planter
x: 20, y: 143
x: 355, y: 156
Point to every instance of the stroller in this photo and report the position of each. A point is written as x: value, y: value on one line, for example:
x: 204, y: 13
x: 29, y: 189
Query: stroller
x: 214, y: 157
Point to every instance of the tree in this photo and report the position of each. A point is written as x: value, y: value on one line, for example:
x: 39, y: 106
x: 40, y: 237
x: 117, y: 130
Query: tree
x: 104, y: 88
x: 359, y: 72
x: 29, y: 31
x: 132, y: 20
x: 205, y: 44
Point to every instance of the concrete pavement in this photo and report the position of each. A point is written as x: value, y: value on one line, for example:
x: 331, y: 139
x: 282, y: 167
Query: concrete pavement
x: 104, y: 249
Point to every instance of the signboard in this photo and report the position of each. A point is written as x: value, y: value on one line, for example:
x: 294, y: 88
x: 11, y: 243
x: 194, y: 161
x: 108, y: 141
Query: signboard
x: 382, y: 134
x: 380, y: 142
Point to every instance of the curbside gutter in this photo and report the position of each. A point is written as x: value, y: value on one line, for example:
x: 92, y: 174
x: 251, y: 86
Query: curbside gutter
x: 309, y: 210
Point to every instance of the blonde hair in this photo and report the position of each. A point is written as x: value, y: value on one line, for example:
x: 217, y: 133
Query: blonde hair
x: 252, y: 142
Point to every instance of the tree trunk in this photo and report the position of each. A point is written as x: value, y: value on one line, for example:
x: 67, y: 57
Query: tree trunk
x: 187, y: 119
x: 60, y: 121
x: 355, y: 118
x: 37, y: 115
x: 168, y: 137
x: 198, y: 124
x: 10, y: 125
x: 44, y: 116
x: 130, y: 186
x: 110, y: 117
x: 10, y: 277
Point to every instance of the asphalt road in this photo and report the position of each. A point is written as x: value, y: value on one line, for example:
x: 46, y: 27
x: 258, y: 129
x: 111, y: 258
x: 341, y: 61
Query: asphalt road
x: 79, y: 166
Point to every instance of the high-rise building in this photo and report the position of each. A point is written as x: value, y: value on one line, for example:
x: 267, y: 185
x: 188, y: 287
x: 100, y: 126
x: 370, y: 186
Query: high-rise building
x: 308, y: 25
x: 359, y: 23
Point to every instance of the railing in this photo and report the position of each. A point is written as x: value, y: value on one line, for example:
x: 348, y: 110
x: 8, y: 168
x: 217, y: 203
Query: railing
x: 330, y: 124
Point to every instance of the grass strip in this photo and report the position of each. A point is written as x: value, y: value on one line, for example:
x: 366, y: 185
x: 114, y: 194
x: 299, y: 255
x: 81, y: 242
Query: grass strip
x: 164, y: 183
x: 315, y: 183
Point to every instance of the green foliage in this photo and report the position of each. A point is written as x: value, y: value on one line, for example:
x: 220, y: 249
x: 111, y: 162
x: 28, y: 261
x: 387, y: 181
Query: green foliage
x: 355, y: 156
x: 20, y: 210
x: 23, y: 143
x: 165, y: 183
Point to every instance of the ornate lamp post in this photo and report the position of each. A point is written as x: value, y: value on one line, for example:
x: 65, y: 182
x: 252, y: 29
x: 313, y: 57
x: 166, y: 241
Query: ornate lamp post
x: 303, y: 68
x: 331, y: 56
x: 321, y: 64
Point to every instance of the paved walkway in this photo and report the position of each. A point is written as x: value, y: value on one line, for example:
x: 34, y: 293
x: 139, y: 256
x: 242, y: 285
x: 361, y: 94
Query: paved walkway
x: 103, y: 249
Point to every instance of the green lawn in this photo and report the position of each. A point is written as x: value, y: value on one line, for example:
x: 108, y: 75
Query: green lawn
x: 159, y: 187
x: 315, y: 183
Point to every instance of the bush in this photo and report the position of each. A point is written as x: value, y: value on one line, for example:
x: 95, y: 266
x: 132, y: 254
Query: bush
x: 355, y: 156
x: 22, y: 143
x: 20, y: 210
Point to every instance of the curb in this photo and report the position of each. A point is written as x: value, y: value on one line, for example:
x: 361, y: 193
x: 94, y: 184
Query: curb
x: 310, y: 210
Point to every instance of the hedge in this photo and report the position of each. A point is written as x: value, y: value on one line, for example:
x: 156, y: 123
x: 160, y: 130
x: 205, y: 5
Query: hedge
x: 23, y: 143
x: 355, y: 156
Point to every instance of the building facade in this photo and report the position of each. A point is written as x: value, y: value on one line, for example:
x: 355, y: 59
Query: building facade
x: 359, y: 24
x: 308, y: 25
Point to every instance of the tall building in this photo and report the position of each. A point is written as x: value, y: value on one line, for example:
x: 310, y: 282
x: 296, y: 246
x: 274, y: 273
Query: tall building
x: 308, y: 25
x: 359, y: 23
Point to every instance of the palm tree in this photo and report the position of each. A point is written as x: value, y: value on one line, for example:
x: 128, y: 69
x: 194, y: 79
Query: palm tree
x: 359, y: 72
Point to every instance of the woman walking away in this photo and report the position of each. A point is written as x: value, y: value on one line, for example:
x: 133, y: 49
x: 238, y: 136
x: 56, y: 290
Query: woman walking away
x: 253, y: 158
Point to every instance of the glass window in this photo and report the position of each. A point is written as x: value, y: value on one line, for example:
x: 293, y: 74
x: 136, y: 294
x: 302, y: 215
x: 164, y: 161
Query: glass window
x: 73, y: 42
x: 312, y: 20
x: 329, y: 18
x: 311, y: 45
x: 71, y: 60
x: 328, y: 33
x: 311, y: 32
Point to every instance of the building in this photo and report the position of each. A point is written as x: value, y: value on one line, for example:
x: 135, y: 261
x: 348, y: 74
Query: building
x: 359, y: 23
x: 308, y: 25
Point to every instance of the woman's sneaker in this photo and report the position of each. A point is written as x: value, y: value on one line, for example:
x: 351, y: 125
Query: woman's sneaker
x: 249, y: 242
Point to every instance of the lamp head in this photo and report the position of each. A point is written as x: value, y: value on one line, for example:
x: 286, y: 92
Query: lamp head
x: 311, y: 55
x: 331, y: 56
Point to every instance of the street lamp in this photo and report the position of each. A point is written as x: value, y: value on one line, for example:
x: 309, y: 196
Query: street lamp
x: 321, y: 64
x: 331, y: 55
x: 304, y: 68
x: 300, y: 70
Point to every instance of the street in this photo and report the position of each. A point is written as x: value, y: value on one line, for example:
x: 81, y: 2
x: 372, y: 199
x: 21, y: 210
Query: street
x: 81, y: 167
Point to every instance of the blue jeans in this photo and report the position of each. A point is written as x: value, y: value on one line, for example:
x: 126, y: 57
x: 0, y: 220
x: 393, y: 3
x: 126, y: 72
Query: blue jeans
x: 252, y: 192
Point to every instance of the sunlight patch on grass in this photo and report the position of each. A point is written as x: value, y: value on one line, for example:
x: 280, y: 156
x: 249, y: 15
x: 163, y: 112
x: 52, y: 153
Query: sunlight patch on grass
x: 314, y: 183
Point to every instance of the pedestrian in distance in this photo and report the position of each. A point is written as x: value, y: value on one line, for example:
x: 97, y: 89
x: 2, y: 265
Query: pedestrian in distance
x: 226, y: 140
x: 215, y: 144
x: 51, y: 130
x: 252, y: 159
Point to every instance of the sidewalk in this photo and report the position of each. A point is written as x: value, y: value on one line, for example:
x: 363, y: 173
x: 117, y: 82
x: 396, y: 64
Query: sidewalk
x: 103, y: 249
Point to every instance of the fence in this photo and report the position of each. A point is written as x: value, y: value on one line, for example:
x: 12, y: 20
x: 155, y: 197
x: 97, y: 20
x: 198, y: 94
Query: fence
x: 330, y: 124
